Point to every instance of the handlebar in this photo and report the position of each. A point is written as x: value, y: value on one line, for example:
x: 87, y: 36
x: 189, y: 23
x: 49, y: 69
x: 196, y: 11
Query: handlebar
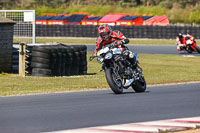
x: 112, y: 45
x: 91, y: 58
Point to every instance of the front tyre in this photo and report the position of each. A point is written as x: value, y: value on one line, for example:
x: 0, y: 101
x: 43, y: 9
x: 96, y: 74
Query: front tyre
x: 140, y: 84
x: 189, y: 49
x: 114, y: 83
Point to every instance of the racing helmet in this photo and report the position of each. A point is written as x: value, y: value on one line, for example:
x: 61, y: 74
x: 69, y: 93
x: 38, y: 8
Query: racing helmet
x: 180, y: 35
x: 104, y: 31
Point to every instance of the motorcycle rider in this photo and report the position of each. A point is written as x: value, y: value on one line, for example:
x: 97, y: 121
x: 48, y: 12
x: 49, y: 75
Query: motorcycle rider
x: 107, y: 37
x: 181, y: 40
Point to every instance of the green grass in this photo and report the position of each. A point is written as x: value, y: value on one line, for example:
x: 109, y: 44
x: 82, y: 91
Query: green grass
x: 158, y: 69
x: 93, y: 41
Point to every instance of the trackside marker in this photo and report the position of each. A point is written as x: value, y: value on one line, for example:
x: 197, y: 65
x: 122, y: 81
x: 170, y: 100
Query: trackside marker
x: 142, y: 127
x: 187, y: 121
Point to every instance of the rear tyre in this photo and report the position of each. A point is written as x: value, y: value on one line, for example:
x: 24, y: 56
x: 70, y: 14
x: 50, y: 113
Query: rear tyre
x: 115, y: 85
x: 39, y: 65
x: 140, y: 85
x: 197, y: 49
x: 40, y: 60
x: 40, y: 54
x: 44, y: 49
x: 41, y: 71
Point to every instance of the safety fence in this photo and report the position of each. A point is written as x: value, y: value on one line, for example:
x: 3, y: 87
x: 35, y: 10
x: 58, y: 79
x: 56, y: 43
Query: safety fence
x: 24, y: 29
x: 160, y: 32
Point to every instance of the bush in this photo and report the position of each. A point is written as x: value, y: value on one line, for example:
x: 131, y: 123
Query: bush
x: 195, y: 17
x: 167, y: 4
x: 45, y: 9
x: 155, y: 10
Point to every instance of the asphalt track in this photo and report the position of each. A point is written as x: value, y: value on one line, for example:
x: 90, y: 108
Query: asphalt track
x: 54, y: 112
x: 152, y: 49
x: 62, y: 111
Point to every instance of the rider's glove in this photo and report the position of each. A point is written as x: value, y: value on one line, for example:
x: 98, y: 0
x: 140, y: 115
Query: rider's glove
x: 121, y: 43
x: 93, y: 56
x: 114, y: 44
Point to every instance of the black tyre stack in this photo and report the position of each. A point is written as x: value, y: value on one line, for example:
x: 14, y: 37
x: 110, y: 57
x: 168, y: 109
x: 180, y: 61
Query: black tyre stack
x: 40, y: 61
x: 135, y: 31
x: 15, y: 59
x: 83, y: 60
x: 28, y: 68
x: 57, y: 60
x: 75, y: 61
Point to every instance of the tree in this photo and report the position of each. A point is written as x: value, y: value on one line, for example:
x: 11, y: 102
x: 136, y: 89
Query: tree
x: 129, y: 3
x: 167, y: 4
x: 151, y: 2
x: 184, y: 3
x: 59, y: 3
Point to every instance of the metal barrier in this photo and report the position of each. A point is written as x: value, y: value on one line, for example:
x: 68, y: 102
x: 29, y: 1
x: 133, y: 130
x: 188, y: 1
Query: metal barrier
x: 24, y: 29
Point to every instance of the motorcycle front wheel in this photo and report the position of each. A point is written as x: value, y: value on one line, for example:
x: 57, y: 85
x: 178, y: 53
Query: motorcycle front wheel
x: 114, y: 83
x: 189, y: 49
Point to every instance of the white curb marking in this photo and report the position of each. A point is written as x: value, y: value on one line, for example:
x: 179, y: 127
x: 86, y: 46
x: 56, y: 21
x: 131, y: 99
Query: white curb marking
x: 142, y: 127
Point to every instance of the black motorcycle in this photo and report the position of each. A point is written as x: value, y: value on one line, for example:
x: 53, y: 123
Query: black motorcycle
x: 121, y: 72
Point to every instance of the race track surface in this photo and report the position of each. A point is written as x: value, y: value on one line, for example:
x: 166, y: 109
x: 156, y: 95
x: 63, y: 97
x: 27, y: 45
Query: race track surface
x: 151, y: 49
x: 62, y: 111
x: 72, y: 110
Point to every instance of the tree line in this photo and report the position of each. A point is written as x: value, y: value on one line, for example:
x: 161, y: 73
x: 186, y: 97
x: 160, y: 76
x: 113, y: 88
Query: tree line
x: 10, y: 4
x: 177, y: 11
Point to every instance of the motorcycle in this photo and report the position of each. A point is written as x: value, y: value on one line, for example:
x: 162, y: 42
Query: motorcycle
x: 120, y: 73
x: 190, y: 45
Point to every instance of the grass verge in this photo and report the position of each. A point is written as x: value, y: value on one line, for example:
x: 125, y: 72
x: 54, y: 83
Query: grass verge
x: 73, y: 40
x: 93, y: 41
x: 158, y: 69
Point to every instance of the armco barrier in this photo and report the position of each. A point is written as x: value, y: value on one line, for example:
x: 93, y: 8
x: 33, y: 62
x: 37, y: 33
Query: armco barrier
x: 143, y: 31
x: 56, y: 60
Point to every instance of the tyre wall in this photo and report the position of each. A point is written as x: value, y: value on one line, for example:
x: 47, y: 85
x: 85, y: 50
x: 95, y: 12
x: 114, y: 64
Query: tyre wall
x: 56, y: 60
x: 6, y: 41
x: 15, y: 59
x: 160, y: 32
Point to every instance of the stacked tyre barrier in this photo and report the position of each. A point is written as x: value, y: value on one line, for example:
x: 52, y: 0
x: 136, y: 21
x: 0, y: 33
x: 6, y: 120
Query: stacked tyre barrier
x: 6, y: 41
x: 15, y: 59
x: 56, y: 60
x: 136, y: 31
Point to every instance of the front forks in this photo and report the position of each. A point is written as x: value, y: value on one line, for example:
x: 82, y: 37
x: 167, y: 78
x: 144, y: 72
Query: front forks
x: 115, y: 71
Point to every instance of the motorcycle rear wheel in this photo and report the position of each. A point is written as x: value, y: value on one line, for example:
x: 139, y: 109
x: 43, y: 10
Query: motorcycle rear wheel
x: 197, y: 49
x: 139, y: 85
x: 115, y: 85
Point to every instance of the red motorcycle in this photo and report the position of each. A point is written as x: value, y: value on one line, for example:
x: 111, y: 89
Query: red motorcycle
x: 190, y: 45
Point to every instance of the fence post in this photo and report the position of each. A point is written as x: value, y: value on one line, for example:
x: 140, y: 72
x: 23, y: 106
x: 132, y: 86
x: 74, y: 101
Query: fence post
x: 22, y: 57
